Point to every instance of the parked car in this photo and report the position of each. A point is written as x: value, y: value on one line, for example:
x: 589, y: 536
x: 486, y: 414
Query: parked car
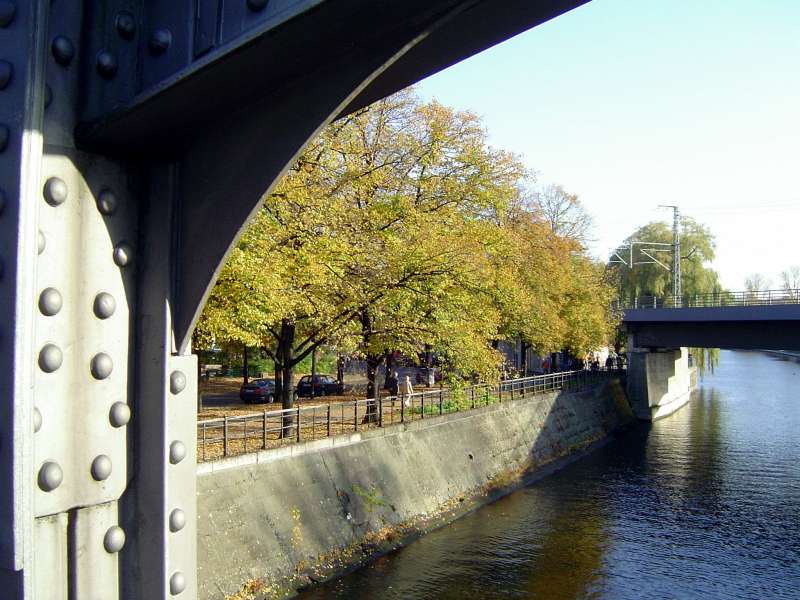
x: 324, y: 385
x: 258, y: 390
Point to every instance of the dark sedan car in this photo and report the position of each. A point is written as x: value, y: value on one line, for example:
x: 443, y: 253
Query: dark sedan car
x: 324, y: 385
x: 258, y: 390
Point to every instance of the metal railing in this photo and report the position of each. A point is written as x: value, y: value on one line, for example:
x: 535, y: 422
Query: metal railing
x: 234, y: 435
x: 716, y: 299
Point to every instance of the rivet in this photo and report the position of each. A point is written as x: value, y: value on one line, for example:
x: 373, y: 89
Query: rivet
x: 120, y: 414
x: 63, y: 50
x: 7, y: 11
x: 126, y: 25
x: 50, y: 302
x: 101, y: 468
x: 122, y: 254
x: 37, y: 419
x: 55, y: 191
x: 41, y: 242
x: 50, y: 358
x: 177, y: 583
x: 114, y: 539
x: 177, y: 520
x: 5, y: 135
x: 257, y: 5
x: 160, y: 40
x: 177, y: 382
x: 102, y: 365
x: 104, y: 305
x: 48, y: 96
x: 6, y: 71
x: 177, y: 452
x: 106, y: 64
x: 50, y: 476
x: 107, y: 202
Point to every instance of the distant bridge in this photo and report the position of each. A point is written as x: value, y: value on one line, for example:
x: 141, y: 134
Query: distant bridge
x: 735, y: 320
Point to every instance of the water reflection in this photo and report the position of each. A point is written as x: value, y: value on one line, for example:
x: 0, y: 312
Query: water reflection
x: 705, y: 503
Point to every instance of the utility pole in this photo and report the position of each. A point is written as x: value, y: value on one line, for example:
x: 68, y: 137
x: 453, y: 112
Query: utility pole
x: 676, y: 254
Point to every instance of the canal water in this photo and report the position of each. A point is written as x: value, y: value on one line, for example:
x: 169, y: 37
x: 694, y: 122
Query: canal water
x: 702, y: 504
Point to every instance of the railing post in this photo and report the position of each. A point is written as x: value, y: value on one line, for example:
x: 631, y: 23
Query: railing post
x: 329, y: 420
x: 245, y: 434
x: 380, y: 412
x: 313, y: 422
x: 440, y: 401
x: 402, y: 409
x: 297, y: 426
x: 355, y: 414
x: 225, y: 436
x: 264, y: 432
x: 472, y: 393
x: 204, y: 441
x: 512, y: 390
x: 421, y: 405
x: 500, y: 391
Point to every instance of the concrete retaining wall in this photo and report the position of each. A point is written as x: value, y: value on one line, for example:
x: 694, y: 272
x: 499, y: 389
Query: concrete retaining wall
x: 291, y: 516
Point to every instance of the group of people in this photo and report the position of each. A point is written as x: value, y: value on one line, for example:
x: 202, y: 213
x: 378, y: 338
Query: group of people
x: 613, y: 361
x: 403, y: 388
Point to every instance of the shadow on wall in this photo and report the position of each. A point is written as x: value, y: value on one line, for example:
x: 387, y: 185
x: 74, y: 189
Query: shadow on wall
x: 293, y: 521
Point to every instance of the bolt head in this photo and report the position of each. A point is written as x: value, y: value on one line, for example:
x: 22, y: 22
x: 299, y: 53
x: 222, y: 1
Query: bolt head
x: 55, y: 191
x: 6, y: 72
x: 63, y: 50
x: 104, y: 305
x: 177, y: 382
x: 7, y: 12
x: 41, y: 242
x: 50, y: 476
x: 177, y: 583
x: 50, y: 358
x: 160, y: 40
x: 37, y: 419
x: 106, y: 64
x: 177, y: 520
x: 50, y: 302
x: 120, y: 414
x: 107, y: 202
x: 126, y: 25
x: 257, y: 5
x: 177, y: 452
x: 122, y: 254
x: 102, y: 365
x: 101, y: 468
x: 114, y: 539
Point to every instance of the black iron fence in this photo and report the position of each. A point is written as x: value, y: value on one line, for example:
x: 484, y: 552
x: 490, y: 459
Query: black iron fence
x: 716, y: 299
x: 230, y: 436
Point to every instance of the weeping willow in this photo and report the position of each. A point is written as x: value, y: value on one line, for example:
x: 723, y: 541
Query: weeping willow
x: 705, y: 358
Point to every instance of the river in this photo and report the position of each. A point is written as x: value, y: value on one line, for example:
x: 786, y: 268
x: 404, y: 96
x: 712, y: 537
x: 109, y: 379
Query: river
x: 702, y: 504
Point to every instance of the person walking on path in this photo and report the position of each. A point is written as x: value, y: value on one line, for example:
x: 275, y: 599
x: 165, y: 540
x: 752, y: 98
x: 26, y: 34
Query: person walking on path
x: 406, y: 390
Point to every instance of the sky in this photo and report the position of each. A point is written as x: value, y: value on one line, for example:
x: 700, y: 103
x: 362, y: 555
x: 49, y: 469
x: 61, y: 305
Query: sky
x: 632, y: 104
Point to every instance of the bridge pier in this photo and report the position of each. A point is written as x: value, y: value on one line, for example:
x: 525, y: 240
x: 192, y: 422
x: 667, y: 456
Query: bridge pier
x: 660, y: 380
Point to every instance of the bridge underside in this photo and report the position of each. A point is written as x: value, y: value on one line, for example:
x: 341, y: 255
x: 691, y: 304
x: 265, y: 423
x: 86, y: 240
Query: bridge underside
x: 735, y: 327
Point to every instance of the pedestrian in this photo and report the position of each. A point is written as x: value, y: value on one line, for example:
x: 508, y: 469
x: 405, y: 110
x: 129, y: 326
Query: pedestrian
x: 405, y: 391
x: 393, y: 383
x: 546, y: 365
x: 609, y: 362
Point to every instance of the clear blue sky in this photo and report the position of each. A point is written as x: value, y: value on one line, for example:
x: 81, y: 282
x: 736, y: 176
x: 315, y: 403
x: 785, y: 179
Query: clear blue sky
x: 635, y: 103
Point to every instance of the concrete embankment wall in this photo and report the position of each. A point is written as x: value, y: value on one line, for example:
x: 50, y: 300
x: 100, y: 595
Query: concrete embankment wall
x: 292, y: 516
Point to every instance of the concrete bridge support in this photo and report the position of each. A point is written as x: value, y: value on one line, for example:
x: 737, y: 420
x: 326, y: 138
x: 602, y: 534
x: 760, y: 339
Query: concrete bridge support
x: 660, y: 381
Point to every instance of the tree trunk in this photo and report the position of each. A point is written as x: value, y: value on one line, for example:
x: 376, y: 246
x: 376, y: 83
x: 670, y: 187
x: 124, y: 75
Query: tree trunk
x: 340, y: 368
x: 287, y: 362
x: 525, y: 348
x: 245, y: 367
x: 313, y: 373
x: 373, y: 360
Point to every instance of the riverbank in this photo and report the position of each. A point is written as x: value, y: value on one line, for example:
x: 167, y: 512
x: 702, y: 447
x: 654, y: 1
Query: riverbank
x: 270, y: 528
